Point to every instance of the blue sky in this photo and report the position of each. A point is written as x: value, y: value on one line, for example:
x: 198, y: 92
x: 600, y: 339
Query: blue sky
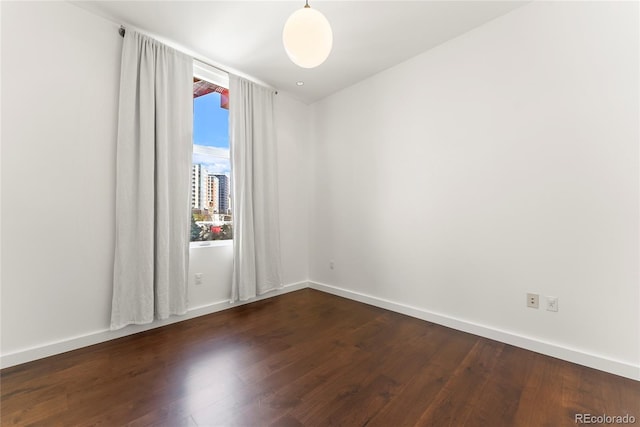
x: 211, y: 134
x: 211, y: 123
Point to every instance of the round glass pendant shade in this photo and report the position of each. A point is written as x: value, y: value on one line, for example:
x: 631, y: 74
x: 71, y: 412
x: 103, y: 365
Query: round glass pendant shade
x: 307, y: 37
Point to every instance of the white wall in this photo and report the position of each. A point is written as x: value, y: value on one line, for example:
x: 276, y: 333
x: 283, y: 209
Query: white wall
x: 60, y: 74
x: 502, y: 162
x: 60, y: 80
x: 293, y: 120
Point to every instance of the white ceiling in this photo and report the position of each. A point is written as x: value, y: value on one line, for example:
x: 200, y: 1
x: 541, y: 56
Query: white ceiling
x: 246, y: 36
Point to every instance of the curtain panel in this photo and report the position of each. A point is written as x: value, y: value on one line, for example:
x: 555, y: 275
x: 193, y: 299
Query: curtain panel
x: 256, y: 237
x: 154, y: 150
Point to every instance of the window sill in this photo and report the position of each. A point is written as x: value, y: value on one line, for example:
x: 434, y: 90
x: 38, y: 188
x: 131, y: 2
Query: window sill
x: 210, y: 243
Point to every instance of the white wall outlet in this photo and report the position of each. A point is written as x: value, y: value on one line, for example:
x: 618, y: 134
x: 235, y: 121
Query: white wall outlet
x: 532, y: 300
x: 332, y: 264
x: 552, y: 303
x: 198, y: 277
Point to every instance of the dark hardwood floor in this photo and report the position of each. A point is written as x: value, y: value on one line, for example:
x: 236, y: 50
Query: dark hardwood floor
x: 313, y: 359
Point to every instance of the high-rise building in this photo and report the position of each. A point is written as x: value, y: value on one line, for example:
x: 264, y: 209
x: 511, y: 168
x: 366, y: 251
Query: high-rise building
x: 223, y: 193
x: 199, y: 177
x: 213, y: 188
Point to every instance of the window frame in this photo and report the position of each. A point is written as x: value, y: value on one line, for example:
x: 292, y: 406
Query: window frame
x: 217, y: 77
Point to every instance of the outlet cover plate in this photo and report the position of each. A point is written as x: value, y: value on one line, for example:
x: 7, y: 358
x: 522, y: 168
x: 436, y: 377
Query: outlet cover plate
x: 533, y: 300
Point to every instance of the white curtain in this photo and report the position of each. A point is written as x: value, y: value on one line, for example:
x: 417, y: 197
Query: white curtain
x: 152, y: 192
x: 256, y: 235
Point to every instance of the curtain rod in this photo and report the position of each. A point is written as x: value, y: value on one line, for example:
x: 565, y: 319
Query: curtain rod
x: 122, y: 30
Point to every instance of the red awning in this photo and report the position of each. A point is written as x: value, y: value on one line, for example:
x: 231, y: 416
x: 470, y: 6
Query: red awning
x: 202, y: 87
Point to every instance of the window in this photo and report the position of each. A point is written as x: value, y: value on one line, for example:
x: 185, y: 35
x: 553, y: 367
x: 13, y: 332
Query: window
x: 211, y: 213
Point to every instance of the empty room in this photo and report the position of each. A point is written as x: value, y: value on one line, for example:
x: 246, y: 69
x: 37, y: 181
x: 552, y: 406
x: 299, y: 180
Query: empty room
x: 322, y: 212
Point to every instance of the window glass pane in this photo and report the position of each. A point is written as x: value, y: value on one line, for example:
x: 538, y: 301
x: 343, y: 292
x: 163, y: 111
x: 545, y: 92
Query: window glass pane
x: 211, y: 215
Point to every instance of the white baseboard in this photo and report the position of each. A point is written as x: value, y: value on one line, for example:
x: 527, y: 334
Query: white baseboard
x: 53, y: 348
x: 601, y: 363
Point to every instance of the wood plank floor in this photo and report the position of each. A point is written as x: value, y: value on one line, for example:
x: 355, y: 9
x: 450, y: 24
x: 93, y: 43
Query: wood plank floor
x: 313, y: 359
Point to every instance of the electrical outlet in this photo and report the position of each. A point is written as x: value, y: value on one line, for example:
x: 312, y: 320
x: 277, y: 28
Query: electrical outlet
x: 198, y: 277
x: 532, y: 300
x: 552, y: 303
x: 332, y: 264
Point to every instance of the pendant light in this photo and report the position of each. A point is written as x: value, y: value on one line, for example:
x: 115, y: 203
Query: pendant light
x: 307, y: 37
